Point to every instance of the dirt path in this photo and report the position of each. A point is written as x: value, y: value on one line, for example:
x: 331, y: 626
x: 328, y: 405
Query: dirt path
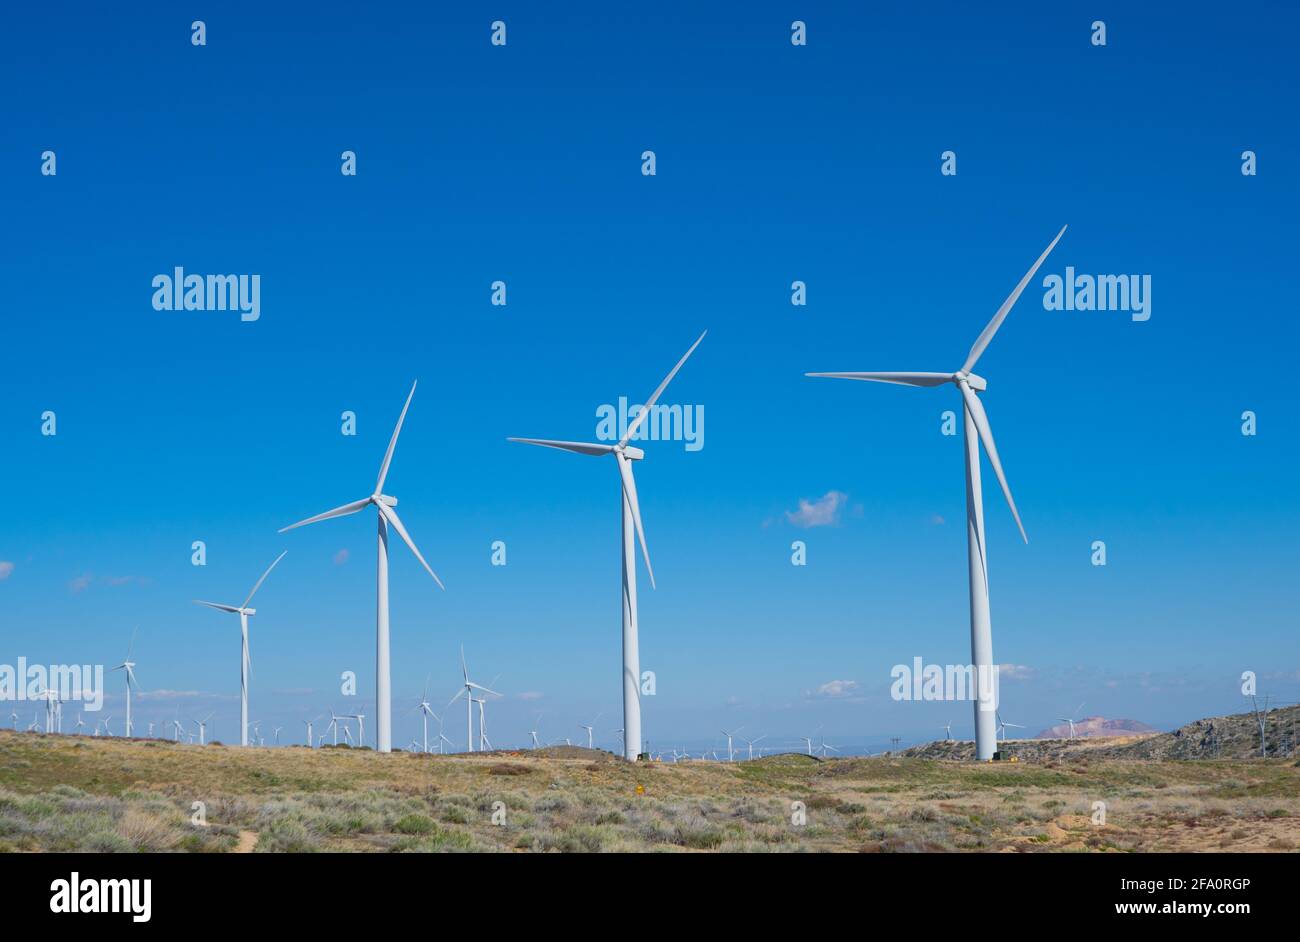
x: 247, y: 841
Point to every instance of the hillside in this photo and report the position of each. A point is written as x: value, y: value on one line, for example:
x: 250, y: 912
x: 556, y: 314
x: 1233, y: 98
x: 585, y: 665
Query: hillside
x: 1096, y: 727
x: 1216, y: 737
x: 111, y: 794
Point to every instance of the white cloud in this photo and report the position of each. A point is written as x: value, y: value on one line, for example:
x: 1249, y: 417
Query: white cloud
x: 824, y: 511
x: 836, y: 690
x: 531, y: 695
x: 1015, y: 672
x: 6, y: 569
x: 80, y: 584
x: 341, y: 557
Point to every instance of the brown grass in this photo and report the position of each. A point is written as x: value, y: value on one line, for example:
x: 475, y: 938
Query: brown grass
x: 77, y: 793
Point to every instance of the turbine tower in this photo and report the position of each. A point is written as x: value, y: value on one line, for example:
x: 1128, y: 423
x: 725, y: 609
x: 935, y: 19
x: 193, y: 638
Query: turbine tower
x: 467, y: 691
x: 624, y: 455
x: 976, y: 430
x: 384, y: 507
x: 244, y: 612
x: 128, y: 665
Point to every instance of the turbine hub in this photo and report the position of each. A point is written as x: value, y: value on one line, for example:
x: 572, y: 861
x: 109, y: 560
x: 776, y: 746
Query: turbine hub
x: 384, y: 499
x: 632, y: 452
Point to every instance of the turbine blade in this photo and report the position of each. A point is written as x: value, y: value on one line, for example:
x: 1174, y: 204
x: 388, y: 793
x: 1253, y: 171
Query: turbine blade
x: 392, y: 442
x: 901, y: 379
x: 336, y: 512
x: 654, y: 397
x: 629, y: 493
x: 391, y: 516
x: 463, y: 669
x: 485, y: 690
x: 131, y: 647
x: 263, y: 579
x: 580, y: 448
x: 982, y: 341
x: 986, y: 436
x: 217, y: 606
x: 460, y: 693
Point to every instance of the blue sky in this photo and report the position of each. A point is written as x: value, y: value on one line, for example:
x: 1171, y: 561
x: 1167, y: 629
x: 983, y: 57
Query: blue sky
x: 774, y: 163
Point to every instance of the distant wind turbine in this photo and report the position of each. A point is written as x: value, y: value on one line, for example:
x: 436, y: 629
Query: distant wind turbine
x: 977, y: 430
x: 467, y: 691
x: 384, y: 506
x: 128, y: 665
x: 624, y: 455
x: 731, y: 755
x: 244, y: 612
x: 203, y: 729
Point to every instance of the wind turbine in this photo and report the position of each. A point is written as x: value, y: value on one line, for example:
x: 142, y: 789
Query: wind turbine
x: 484, y: 744
x: 590, y: 731
x: 750, y: 743
x: 947, y: 732
x: 977, y: 430
x: 1070, y: 719
x: 808, y: 740
x: 308, y: 723
x: 107, y: 731
x: 334, y: 726
x: 203, y: 729
x: 277, y: 734
x: 80, y: 723
x: 467, y: 691
x: 128, y: 665
x: 426, y: 711
x: 387, y: 516
x: 243, y: 611
x: 1002, y: 727
x: 730, y: 752
x: 537, y: 722
x: 624, y: 455
x: 14, y: 718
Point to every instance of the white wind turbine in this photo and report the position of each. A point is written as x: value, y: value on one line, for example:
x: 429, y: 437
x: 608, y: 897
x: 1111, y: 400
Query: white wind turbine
x: 1070, y: 719
x: 731, y: 755
x: 977, y: 430
x: 484, y: 744
x: 14, y: 718
x: 277, y: 734
x: 128, y: 665
x: 750, y: 743
x: 244, y: 612
x: 334, y: 726
x: 384, y: 507
x: 590, y: 731
x: 808, y: 740
x: 624, y: 455
x: 426, y: 711
x: 203, y: 729
x: 947, y: 732
x: 1002, y: 727
x: 467, y: 691
x: 80, y: 723
x: 537, y: 722
x: 107, y: 731
x: 308, y: 723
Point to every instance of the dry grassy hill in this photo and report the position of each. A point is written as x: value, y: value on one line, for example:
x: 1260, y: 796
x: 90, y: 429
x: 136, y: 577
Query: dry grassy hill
x: 1216, y: 737
x: 102, y: 794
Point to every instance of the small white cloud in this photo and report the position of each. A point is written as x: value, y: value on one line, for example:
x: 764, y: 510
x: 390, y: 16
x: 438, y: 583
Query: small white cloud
x: 1015, y: 672
x: 6, y: 569
x: 531, y: 695
x: 825, y: 511
x: 80, y: 583
x: 836, y: 690
x: 937, y: 520
x: 169, y: 694
x: 341, y: 557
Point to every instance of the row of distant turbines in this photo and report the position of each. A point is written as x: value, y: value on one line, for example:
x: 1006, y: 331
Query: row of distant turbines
x: 977, y: 433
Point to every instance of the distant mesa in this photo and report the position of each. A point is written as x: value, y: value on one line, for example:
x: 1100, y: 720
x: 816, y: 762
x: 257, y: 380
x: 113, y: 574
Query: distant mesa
x: 1096, y: 727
